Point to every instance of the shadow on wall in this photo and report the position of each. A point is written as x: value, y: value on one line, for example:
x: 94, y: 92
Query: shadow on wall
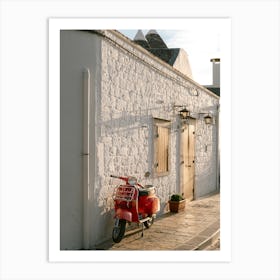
x: 207, y: 180
x: 207, y: 163
x: 127, y: 121
x: 105, y: 224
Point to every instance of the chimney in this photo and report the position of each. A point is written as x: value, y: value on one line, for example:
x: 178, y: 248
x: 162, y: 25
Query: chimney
x: 216, y: 71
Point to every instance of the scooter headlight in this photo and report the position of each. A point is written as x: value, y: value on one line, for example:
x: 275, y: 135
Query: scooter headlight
x: 132, y: 181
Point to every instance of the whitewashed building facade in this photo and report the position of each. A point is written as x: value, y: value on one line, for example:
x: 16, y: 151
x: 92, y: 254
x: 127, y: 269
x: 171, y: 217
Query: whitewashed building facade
x: 120, y: 114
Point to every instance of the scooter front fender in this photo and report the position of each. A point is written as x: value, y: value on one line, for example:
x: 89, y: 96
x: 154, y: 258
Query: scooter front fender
x: 123, y: 214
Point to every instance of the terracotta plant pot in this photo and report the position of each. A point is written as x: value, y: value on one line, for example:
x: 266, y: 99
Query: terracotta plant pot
x: 177, y: 206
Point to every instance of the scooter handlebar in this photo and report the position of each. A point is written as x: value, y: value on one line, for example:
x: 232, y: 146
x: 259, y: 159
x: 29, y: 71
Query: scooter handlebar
x: 125, y: 179
x: 119, y: 177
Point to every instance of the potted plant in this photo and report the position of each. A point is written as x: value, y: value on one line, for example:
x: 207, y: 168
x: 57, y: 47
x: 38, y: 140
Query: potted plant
x: 177, y: 203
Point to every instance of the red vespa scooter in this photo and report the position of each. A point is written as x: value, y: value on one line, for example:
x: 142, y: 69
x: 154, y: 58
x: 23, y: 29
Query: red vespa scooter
x: 133, y: 203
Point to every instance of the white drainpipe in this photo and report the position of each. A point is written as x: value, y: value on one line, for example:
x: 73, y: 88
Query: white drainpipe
x: 86, y: 127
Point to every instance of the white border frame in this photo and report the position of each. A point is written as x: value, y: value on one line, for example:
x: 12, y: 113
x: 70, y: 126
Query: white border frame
x: 55, y: 254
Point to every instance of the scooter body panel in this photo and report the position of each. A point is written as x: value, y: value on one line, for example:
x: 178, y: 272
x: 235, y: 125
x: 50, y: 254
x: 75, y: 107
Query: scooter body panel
x: 123, y: 214
x: 148, y: 205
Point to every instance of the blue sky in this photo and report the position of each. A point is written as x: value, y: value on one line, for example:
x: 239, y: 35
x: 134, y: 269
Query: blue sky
x: 201, y: 41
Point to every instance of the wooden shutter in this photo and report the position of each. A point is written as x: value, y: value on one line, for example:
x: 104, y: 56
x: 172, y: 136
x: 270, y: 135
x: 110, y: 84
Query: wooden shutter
x: 161, y: 148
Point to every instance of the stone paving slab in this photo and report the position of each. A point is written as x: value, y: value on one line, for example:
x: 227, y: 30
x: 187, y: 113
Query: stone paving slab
x: 187, y: 230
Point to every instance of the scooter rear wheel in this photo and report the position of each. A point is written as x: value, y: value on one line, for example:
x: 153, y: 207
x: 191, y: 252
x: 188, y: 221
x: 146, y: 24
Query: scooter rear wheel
x: 118, y: 232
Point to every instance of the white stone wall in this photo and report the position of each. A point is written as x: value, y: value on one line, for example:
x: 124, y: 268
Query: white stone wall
x: 135, y: 88
x: 129, y: 87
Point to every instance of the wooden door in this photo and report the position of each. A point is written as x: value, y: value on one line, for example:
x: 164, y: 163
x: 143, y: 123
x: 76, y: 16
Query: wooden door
x: 187, y: 162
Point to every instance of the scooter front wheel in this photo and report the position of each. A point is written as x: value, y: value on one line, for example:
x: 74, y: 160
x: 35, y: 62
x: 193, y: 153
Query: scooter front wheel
x: 118, y: 231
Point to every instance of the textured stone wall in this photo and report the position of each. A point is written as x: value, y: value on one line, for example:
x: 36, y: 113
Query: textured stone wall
x: 135, y: 88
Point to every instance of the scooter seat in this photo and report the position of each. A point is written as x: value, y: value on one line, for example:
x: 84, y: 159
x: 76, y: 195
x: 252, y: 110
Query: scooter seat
x: 143, y: 192
x: 148, y: 190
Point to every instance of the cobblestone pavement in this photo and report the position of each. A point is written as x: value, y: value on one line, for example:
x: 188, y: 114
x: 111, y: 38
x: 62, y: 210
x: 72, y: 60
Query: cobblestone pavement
x: 194, y: 229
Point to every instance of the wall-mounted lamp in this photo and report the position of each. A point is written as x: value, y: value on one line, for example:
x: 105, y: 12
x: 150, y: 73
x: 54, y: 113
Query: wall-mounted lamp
x: 184, y: 114
x: 208, y: 119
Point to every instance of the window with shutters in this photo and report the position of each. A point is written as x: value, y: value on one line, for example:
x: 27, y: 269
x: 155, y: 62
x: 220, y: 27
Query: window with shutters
x: 161, y: 146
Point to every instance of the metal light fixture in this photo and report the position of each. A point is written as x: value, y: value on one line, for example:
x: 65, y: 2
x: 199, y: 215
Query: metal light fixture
x: 184, y: 114
x: 208, y: 119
